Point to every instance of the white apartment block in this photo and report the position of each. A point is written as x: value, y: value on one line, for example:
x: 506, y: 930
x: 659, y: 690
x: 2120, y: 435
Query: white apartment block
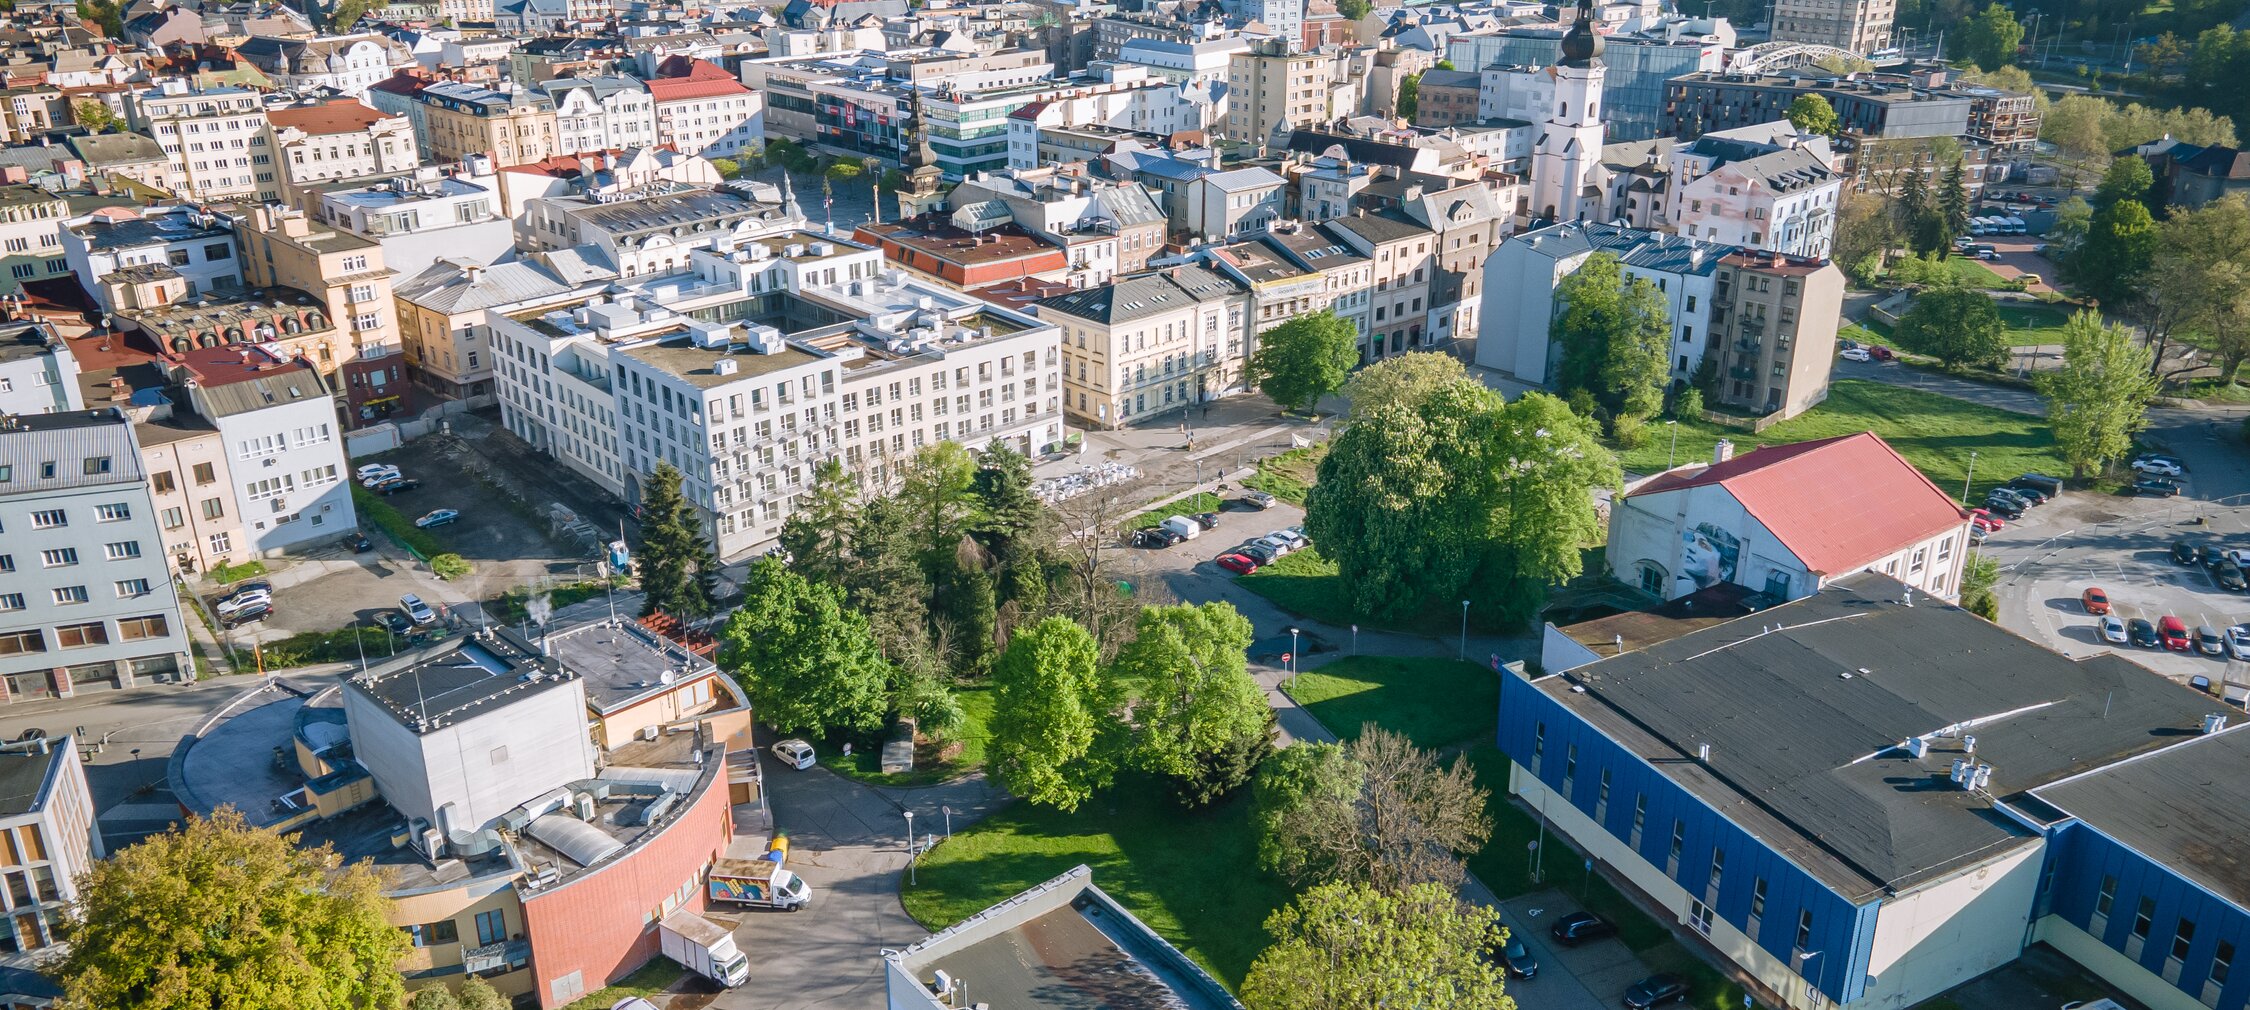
x: 697, y: 369
x: 601, y: 113
x: 341, y: 139
x: 38, y: 375
x: 709, y: 112
x: 292, y: 482
x: 196, y: 244
x: 214, y: 136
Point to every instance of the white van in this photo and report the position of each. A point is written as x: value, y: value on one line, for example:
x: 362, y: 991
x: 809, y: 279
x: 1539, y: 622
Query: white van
x: 1184, y: 526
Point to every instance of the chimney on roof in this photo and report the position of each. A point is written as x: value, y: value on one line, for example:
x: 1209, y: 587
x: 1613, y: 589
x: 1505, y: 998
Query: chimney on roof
x: 1722, y: 452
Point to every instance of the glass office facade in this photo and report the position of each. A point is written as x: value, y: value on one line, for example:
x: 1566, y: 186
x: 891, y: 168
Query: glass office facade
x: 1633, y: 91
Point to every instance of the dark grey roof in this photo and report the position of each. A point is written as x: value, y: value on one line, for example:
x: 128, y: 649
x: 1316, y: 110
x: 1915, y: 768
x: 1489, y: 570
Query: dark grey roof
x: 459, y: 679
x: 1358, y: 149
x: 1451, y: 79
x: 292, y: 383
x: 1638, y: 247
x: 1144, y: 294
x: 687, y: 209
x: 622, y: 663
x: 23, y: 777
x: 1806, y: 708
x: 116, y: 148
x: 2186, y: 808
x: 1379, y: 227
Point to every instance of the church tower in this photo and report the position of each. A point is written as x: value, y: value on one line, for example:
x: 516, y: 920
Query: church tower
x: 923, y: 177
x: 1570, y: 141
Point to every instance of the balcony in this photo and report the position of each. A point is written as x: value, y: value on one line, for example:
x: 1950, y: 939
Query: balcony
x: 1748, y: 346
x: 1743, y: 372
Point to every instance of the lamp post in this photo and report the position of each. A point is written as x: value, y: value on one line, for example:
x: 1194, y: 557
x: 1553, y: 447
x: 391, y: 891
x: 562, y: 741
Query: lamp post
x: 910, y: 847
x: 1965, y: 481
x: 1292, y: 659
x: 1674, y: 451
x: 1464, y: 631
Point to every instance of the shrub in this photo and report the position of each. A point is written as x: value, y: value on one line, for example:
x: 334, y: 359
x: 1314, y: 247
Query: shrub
x: 1582, y: 402
x: 390, y: 520
x: 227, y: 574
x: 1630, y: 431
x: 1689, y: 406
x: 449, y: 566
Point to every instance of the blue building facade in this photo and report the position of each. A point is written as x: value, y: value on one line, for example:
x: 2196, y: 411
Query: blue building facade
x: 2168, y: 925
x: 1725, y: 871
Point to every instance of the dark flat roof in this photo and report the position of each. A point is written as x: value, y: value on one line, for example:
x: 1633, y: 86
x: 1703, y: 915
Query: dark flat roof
x: 2186, y: 808
x: 1806, y: 708
x: 23, y: 776
x: 459, y: 679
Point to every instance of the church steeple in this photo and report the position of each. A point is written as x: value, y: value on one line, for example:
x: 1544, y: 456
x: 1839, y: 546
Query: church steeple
x: 923, y: 176
x: 1582, y: 45
x: 1569, y: 144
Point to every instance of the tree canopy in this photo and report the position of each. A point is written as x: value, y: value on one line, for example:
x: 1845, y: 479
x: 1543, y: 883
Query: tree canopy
x: 1957, y: 326
x: 807, y: 662
x: 1056, y: 733
x: 222, y: 914
x: 1200, y: 719
x: 1377, y: 811
x: 1615, y: 333
x: 1304, y: 359
x: 1343, y: 945
x: 2201, y: 277
x: 1406, y: 380
x: 2098, y: 399
x: 1811, y: 113
x: 679, y: 574
x: 2112, y: 263
x: 1991, y: 37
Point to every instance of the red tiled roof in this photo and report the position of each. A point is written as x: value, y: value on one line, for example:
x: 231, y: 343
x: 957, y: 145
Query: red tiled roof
x: 1836, y: 503
x: 343, y: 115
x: 680, y: 78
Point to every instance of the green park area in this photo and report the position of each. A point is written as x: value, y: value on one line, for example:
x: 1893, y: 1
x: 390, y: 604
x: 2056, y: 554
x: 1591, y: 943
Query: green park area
x: 958, y: 753
x: 2031, y: 325
x: 1433, y: 702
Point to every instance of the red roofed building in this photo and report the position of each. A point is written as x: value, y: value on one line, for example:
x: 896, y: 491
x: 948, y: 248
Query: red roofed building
x: 341, y: 139
x: 1787, y: 519
x: 703, y: 110
x: 931, y: 246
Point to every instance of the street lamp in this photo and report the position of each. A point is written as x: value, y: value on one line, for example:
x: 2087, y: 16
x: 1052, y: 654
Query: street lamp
x: 910, y: 847
x: 1669, y: 454
x: 1292, y: 659
x: 1464, y: 631
x: 1965, y: 481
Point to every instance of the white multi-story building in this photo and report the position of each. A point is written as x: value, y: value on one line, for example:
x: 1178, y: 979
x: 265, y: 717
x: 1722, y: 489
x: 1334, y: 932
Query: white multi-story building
x: 196, y: 244
x: 601, y: 113
x: 31, y: 223
x: 423, y: 217
x: 1202, y: 62
x: 696, y: 370
x: 1140, y: 103
x: 340, y: 139
x: 38, y: 375
x: 292, y: 482
x: 704, y: 110
x: 1783, y: 200
x: 650, y: 231
x: 345, y: 64
x: 213, y: 136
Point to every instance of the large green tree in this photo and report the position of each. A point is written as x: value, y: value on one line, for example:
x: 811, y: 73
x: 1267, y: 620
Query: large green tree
x: 1342, y: 945
x: 1957, y: 326
x: 1614, y: 332
x: 1811, y: 113
x: 1304, y: 359
x: 1306, y: 791
x: 1200, y: 720
x: 1991, y: 37
x: 1401, y: 505
x: 220, y: 914
x: 1548, y: 461
x: 1953, y: 205
x: 937, y: 486
x: 1056, y: 731
x: 2113, y: 262
x: 807, y: 663
x: 1406, y: 380
x: 886, y: 582
x: 1867, y: 230
x: 1377, y: 810
x: 679, y: 574
x: 1409, y: 96
x: 817, y: 534
x: 2128, y: 178
x: 2099, y: 398
x: 2201, y: 277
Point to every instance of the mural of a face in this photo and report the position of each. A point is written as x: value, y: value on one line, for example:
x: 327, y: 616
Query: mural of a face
x: 1707, y: 557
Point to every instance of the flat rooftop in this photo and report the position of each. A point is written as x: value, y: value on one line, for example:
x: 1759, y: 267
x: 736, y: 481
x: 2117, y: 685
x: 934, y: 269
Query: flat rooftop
x: 1634, y: 630
x: 679, y: 355
x: 623, y: 663
x: 1808, y: 709
x: 1063, y: 945
x: 458, y: 679
x: 23, y: 775
x: 2185, y: 807
x: 24, y: 339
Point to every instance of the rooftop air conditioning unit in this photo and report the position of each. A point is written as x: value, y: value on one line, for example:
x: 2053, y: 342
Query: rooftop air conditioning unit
x: 648, y: 733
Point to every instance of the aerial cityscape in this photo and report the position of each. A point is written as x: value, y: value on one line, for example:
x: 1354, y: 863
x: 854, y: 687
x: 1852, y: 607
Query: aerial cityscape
x: 661, y: 505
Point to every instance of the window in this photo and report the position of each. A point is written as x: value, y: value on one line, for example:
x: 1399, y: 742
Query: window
x: 1757, y: 904
x: 1538, y: 745
x: 492, y: 926
x: 2222, y: 960
x: 354, y: 264
x: 1679, y: 841
x: 2108, y: 897
x: 49, y: 519
x: 2144, y: 918
x: 1804, y: 929
x: 97, y: 464
x: 1640, y: 815
x: 1699, y: 916
x: 1569, y: 769
x: 152, y: 626
x: 75, y: 636
x: 123, y: 550
x: 113, y: 512
x: 129, y: 588
x: 58, y: 557
x: 16, y: 643
x: 11, y: 601
x: 222, y: 543
x: 429, y: 933
x: 204, y: 473
x: 66, y: 595
x: 161, y: 482
x: 1601, y: 797
x: 2183, y: 937
x: 1718, y: 868
x: 172, y: 518
x: 213, y: 508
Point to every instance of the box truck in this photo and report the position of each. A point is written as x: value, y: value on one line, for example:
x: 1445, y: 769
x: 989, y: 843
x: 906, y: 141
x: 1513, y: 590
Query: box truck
x: 757, y: 883
x: 703, y: 947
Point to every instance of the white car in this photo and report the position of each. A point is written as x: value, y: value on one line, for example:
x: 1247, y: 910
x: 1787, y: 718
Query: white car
x: 1854, y: 354
x: 2113, y: 630
x: 1295, y: 539
x: 1281, y: 545
x: 2238, y: 641
x: 794, y: 753
x: 238, y: 601
x: 2159, y: 467
x: 372, y: 471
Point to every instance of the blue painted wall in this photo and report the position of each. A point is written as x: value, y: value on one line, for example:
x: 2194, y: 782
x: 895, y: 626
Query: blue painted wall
x: 1844, y: 933
x: 2080, y: 858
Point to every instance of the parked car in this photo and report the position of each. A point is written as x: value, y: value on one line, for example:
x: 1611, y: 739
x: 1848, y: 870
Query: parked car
x: 2173, y: 632
x: 1156, y: 538
x: 371, y: 471
x: 2141, y: 633
x: 1238, y: 563
x: 2186, y: 552
x: 380, y: 478
x: 1580, y: 927
x: 2229, y: 575
x: 399, y: 486
x: 2011, y: 508
x: 416, y: 610
x: 1855, y: 354
x: 1880, y: 353
x: 1262, y: 553
x: 2030, y: 494
x: 2010, y: 494
x: 1187, y: 528
x: 1207, y: 520
x: 1281, y: 545
x: 437, y: 517
x: 2095, y: 600
x: 1295, y: 539
x: 394, y: 622
x: 240, y: 598
x: 360, y: 543
x: 2241, y: 558
x: 794, y: 754
x: 2113, y: 630
x: 2238, y: 641
x: 2051, y: 486
x: 1258, y: 500
x: 2155, y: 487
x: 251, y: 614
x: 1656, y: 990
x: 2209, y: 642
x: 1513, y: 957
x: 1986, y: 519
x: 2155, y: 467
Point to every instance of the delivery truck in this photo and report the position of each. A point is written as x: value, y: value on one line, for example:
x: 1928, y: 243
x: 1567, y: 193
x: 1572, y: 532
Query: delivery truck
x: 703, y: 947
x: 758, y: 883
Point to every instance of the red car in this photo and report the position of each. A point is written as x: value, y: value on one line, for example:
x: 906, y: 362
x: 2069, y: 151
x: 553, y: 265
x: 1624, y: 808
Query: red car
x: 2174, y: 634
x: 1240, y: 564
x: 2096, y: 601
x: 1986, y: 520
x: 1880, y: 352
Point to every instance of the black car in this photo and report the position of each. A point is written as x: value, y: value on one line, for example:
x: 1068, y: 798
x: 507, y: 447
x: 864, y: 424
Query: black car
x: 2140, y: 632
x: 1656, y: 990
x: 2186, y: 552
x: 2009, y: 507
x: 1513, y: 957
x: 1580, y: 927
x: 398, y: 486
x: 1207, y: 520
x: 251, y: 614
x: 394, y: 622
x: 1156, y: 537
x: 2155, y: 487
x: 1263, y: 554
x: 2029, y: 494
x: 360, y: 543
x: 2229, y: 576
x: 2011, y: 494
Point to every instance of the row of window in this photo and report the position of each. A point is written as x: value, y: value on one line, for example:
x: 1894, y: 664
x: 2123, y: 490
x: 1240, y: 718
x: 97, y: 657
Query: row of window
x: 91, y: 466
x: 78, y: 636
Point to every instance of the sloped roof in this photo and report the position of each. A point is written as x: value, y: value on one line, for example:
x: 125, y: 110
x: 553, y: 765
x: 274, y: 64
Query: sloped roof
x: 341, y: 116
x: 1836, y: 503
x: 698, y: 79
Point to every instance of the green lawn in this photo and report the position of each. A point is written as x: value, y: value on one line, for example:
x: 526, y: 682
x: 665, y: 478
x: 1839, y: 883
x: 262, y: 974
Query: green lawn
x: 1202, y: 501
x: 1306, y: 584
x: 866, y: 761
x: 1935, y: 433
x: 1289, y: 475
x: 1434, y: 702
x: 1192, y: 877
x: 653, y: 977
x: 2032, y: 325
x: 1977, y: 275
